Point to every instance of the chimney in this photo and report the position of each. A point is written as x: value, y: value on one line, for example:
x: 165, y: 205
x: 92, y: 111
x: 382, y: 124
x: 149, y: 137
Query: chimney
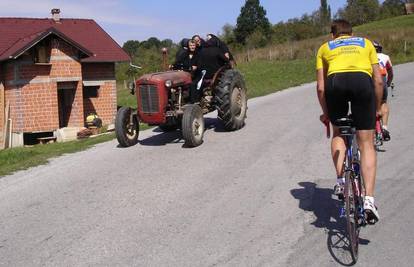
x: 56, y: 14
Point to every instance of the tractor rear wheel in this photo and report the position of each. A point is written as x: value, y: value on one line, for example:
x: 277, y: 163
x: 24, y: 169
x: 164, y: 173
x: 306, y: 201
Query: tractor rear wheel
x: 231, y: 100
x: 126, y: 127
x: 193, y: 125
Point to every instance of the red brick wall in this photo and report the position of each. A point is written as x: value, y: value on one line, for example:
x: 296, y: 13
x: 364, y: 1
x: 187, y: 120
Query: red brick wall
x: 105, y: 104
x: 39, y: 108
x: 64, y: 61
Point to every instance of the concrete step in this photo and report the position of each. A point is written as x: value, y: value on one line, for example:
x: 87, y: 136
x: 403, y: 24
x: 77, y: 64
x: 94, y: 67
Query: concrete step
x: 67, y: 133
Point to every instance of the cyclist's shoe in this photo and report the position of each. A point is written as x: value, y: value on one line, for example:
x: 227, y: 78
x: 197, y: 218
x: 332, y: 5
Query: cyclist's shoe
x: 386, y: 135
x: 371, y: 212
x: 339, y: 189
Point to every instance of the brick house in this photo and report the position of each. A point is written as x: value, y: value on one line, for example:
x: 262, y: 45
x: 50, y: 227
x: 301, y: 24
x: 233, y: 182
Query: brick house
x: 54, y: 72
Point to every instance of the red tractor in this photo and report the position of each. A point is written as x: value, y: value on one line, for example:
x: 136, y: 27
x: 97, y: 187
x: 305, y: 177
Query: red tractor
x: 163, y: 100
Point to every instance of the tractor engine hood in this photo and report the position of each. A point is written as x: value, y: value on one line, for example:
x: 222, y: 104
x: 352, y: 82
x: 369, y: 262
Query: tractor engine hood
x: 177, y: 77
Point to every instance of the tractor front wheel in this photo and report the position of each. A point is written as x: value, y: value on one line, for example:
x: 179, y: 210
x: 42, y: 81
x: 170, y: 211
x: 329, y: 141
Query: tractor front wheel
x: 126, y: 127
x: 193, y: 125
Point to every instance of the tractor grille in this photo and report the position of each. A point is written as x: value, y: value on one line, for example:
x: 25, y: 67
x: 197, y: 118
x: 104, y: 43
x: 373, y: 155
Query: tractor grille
x: 149, y: 98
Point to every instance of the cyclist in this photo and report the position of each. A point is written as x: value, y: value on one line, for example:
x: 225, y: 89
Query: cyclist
x: 348, y: 71
x: 388, y: 75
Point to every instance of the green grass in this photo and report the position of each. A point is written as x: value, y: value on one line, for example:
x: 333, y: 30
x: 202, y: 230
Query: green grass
x: 399, y: 23
x: 21, y: 158
x: 265, y: 77
x: 125, y: 99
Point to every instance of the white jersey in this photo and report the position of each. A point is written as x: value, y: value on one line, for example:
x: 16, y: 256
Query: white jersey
x: 384, y: 62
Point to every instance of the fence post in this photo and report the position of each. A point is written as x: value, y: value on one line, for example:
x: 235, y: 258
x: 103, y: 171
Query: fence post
x: 405, y: 47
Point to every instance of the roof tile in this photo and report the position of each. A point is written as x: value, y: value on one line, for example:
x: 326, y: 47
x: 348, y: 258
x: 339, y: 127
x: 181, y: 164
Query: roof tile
x: 17, y: 32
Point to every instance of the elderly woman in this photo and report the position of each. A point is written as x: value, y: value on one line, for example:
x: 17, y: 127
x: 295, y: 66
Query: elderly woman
x: 187, y: 58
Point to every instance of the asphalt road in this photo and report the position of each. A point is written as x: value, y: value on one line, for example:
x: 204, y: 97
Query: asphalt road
x: 260, y: 196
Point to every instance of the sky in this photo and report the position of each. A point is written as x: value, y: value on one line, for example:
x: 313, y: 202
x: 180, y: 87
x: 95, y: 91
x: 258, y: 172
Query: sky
x: 141, y: 19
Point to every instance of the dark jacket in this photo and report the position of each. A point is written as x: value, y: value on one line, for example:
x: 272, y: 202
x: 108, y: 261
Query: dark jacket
x: 183, y: 49
x: 184, y: 62
x: 211, y: 59
x: 220, y: 44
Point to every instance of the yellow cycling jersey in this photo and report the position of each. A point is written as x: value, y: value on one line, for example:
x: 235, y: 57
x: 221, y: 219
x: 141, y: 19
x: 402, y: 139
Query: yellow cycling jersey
x: 347, y: 54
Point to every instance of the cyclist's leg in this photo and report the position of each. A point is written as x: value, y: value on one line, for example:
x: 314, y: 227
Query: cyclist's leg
x: 368, y: 159
x: 337, y: 103
x: 385, y: 110
x: 363, y: 110
x: 338, y: 149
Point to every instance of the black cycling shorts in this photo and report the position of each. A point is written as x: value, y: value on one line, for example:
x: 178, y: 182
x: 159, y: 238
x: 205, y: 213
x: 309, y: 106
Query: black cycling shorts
x: 354, y: 87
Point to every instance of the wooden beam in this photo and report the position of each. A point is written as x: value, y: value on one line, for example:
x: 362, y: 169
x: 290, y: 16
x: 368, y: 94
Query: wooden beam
x: 2, y: 113
x: 5, y: 141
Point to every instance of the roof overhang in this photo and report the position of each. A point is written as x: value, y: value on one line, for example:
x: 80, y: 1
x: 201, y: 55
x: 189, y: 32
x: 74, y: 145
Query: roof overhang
x: 41, y: 36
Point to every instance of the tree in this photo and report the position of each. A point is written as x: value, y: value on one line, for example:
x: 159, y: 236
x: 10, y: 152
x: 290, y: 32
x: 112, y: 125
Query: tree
x: 392, y: 8
x: 324, y: 13
x: 152, y: 42
x: 256, y: 39
x: 252, y: 18
x: 167, y: 43
x: 358, y: 12
x: 131, y: 47
x: 227, y: 34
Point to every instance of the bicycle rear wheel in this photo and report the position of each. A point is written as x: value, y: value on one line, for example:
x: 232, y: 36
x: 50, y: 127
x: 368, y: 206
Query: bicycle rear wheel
x: 351, y: 215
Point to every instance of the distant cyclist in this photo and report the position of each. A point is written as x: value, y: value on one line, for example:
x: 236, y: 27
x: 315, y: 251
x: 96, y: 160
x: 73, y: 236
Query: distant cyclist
x: 388, y: 75
x: 348, y: 71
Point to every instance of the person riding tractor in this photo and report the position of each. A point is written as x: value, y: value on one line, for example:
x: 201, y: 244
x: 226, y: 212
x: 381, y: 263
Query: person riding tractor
x: 179, y: 99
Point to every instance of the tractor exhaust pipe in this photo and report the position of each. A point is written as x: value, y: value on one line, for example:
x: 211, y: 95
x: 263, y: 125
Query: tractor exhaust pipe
x: 164, y: 58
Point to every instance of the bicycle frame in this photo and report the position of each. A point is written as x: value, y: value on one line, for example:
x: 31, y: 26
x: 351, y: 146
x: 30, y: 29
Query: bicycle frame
x: 353, y: 195
x: 352, y: 165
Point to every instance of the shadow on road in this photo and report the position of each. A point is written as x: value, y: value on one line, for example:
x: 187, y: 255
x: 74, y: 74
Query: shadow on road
x: 326, y: 211
x: 214, y: 123
x: 163, y: 138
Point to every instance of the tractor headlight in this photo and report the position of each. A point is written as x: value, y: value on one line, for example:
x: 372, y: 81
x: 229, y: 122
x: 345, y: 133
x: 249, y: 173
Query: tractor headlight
x: 168, y: 83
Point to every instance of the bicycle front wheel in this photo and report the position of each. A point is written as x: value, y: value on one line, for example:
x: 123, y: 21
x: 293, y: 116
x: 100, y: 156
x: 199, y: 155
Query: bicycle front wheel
x: 351, y: 215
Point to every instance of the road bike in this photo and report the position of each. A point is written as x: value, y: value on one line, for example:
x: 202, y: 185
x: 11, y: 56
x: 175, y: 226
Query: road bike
x: 352, y: 208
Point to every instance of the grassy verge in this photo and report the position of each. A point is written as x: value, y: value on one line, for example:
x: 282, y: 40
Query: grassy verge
x: 125, y: 99
x: 265, y: 77
x: 21, y: 158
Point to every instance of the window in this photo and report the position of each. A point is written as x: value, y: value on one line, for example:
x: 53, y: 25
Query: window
x: 90, y: 91
x: 41, y: 53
